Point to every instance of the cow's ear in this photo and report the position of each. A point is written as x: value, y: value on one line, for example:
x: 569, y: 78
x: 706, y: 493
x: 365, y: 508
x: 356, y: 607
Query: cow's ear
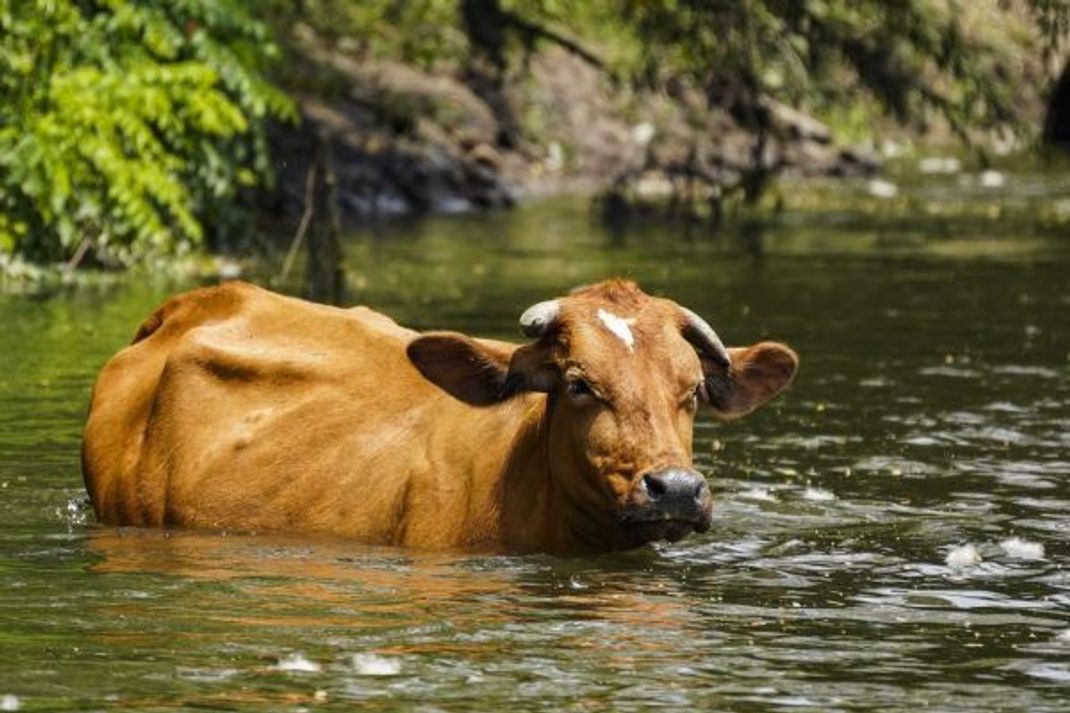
x: 481, y: 372
x: 757, y: 374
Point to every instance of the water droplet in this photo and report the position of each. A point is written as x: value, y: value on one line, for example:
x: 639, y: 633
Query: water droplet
x: 818, y: 495
x: 759, y: 494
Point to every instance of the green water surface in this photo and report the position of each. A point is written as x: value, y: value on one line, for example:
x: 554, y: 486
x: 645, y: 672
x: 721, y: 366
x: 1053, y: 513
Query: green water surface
x: 932, y: 411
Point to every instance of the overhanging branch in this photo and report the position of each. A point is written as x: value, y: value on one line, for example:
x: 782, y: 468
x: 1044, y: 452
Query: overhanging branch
x: 533, y: 32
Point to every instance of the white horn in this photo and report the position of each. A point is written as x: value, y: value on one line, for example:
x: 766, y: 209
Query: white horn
x: 539, y: 318
x: 702, y: 337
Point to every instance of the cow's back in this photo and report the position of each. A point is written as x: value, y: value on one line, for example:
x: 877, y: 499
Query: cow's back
x: 238, y: 408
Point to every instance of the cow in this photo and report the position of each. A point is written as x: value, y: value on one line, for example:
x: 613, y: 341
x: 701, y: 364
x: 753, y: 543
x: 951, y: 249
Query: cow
x: 239, y: 409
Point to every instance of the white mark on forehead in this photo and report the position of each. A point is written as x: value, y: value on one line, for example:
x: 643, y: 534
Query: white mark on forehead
x: 620, y: 327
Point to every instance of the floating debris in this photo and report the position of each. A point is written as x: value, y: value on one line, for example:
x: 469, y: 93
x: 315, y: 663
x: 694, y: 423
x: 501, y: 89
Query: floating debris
x: 10, y: 702
x: 1022, y: 549
x: 373, y: 665
x: 297, y: 662
x: 963, y: 556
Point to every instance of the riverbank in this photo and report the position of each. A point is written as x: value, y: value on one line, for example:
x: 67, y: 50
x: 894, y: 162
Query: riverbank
x: 1021, y: 198
x: 412, y: 142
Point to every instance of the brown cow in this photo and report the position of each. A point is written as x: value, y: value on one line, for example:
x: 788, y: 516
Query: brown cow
x: 237, y: 408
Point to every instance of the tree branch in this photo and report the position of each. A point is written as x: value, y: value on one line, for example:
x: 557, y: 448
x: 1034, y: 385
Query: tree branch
x: 534, y: 31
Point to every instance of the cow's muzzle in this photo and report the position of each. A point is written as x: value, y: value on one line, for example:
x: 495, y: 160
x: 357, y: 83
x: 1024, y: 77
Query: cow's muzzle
x: 668, y: 504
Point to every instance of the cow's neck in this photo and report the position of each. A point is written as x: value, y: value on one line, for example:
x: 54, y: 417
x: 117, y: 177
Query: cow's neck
x: 538, y: 512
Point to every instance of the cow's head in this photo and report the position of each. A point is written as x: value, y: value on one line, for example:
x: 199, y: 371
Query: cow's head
x: 625, y: 373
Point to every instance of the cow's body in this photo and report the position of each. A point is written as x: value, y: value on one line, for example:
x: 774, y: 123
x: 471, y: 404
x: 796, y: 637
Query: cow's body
x: 226, y: 416
x: 237, y: 408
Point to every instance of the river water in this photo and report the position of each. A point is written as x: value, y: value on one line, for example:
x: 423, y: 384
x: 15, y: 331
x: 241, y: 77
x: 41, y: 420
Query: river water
x: 892, y: 535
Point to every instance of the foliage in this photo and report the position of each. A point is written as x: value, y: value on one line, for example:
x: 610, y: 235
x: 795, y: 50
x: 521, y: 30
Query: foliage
x: 965, y: 63
x: 423, y: 33
x: 128, y: 125
x: 1052, y: 18
x: 919, y: 58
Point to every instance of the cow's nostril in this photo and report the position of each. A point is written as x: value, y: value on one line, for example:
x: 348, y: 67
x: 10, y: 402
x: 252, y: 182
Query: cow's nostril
x: 676, y: 491
x: 655, y: 487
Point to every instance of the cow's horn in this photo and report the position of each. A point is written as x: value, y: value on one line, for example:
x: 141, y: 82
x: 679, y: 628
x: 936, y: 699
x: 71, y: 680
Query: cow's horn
x: 539, y: 318
x: 702, y: 337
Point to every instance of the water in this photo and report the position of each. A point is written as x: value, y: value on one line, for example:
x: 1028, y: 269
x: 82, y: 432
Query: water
x: 859, y: 558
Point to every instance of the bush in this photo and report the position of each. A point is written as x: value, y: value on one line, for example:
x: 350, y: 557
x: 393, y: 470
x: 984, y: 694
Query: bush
x: 128, y: 126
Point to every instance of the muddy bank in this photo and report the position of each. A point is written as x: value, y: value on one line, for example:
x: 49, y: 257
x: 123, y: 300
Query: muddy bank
x: 411, y: 142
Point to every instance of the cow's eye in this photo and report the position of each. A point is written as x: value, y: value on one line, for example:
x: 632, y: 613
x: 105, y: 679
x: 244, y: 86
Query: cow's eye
x: 579, y: 388
x: 697, y: 396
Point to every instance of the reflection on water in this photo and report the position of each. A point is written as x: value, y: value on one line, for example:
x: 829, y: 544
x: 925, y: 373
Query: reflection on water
x: 893, y: 535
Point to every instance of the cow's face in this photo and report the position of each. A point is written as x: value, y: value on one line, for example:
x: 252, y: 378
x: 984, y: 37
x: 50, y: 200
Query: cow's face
x: 626, y: 374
